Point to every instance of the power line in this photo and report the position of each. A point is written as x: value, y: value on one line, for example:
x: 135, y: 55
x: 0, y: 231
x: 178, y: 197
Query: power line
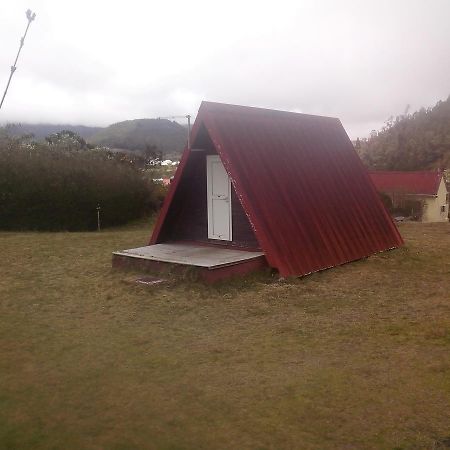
x: 30, y: 17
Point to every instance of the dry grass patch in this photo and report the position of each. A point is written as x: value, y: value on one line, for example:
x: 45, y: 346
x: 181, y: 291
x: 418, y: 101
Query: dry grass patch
x: 354, y: 357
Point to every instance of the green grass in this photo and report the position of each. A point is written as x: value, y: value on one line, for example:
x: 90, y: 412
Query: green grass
x: 357, y: 357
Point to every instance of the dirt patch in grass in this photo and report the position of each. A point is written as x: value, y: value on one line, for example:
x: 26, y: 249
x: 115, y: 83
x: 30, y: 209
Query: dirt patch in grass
x: 353, y: 357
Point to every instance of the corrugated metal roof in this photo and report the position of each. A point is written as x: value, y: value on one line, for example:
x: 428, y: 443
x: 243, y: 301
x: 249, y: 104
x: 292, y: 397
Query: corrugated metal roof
x: 307, y: 195
x: 416, y: 183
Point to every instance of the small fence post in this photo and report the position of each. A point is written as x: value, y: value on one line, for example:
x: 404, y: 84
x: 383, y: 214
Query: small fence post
x: 98, y: 217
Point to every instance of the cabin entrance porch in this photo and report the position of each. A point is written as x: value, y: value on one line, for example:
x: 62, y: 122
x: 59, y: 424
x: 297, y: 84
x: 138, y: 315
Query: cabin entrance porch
x: 210, y: 262
x: 205, y: 228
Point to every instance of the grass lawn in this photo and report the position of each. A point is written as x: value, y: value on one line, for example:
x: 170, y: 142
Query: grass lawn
x: 357, y: 357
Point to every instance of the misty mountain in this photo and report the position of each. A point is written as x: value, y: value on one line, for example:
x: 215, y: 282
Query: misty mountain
x: 140, y: 134
x: 130, y: 135
x: 41, y: 130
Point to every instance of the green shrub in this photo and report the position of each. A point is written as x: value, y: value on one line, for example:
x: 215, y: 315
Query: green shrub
x: 48, y: 188
x: 400, y: 204
x: 409, y: 208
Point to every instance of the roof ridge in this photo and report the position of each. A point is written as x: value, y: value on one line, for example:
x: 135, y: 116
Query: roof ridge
x: 208, y: 105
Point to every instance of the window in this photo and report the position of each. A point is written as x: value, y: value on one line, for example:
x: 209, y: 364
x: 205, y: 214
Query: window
x: 443, y: 209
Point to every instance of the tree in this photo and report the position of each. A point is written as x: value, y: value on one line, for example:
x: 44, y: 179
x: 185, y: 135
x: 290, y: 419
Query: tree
x: 415, y: 141
x: 151, y: 153
x: 67, y: 140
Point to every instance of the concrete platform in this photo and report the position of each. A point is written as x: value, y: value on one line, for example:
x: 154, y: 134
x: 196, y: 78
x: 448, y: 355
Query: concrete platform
x: 191, y: 255
x: 212, y: 263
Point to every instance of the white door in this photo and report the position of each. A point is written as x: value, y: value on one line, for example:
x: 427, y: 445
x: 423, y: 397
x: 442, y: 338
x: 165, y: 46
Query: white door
x: 219, y: 199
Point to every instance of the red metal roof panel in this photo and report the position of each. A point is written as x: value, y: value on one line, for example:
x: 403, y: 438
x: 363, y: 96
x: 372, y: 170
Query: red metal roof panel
x: 307, y: 195
x: 416, y: 183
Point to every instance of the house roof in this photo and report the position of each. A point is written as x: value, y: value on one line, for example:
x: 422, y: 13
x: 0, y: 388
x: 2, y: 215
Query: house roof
x: 415, y: 183
x: 305, y: 191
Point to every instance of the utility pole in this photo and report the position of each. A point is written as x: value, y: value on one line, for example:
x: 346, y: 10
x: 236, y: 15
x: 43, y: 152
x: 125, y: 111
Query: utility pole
x: 30, y: 17
x: 188, y: 117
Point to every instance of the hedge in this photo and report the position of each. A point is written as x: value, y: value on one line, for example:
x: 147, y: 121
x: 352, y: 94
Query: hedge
x: 45, y: 188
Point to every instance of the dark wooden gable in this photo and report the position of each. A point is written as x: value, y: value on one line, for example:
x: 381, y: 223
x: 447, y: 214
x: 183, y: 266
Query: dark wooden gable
x: 187, y: 218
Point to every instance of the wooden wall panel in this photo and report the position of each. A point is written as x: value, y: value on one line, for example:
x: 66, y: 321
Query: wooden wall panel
x: 187, y: 217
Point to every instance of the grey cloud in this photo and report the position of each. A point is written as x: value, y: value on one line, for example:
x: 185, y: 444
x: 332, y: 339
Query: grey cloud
x: 359, y: 61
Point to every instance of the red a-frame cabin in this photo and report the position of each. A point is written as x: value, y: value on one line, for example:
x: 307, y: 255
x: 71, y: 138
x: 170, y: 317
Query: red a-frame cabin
x: 263, y: 187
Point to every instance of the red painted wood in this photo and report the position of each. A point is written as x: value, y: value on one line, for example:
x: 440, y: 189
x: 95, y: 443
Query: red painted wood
x: 310, y: 201
x: 236, y: 270
x: 123, y: 262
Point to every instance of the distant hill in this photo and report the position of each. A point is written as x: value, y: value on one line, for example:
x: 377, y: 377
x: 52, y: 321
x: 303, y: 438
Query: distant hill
x: 130, y: 135
x: 415, y: 141
x: 41, y: 130
x: 139, y: 134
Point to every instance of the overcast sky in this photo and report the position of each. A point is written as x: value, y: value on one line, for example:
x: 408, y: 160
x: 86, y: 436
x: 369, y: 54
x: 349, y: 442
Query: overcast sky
x: 97, y: 62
